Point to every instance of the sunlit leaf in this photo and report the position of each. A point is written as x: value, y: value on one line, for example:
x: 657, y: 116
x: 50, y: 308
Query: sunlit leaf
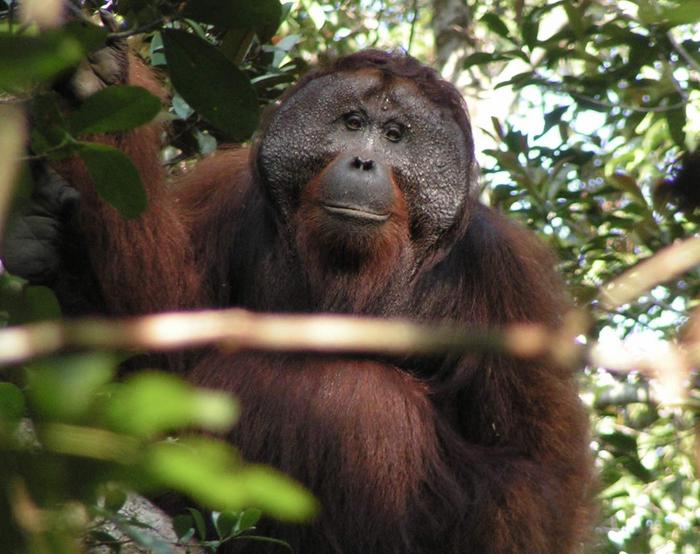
x: 211, y: 473
x: 151, y: 403
x: 277, y: 495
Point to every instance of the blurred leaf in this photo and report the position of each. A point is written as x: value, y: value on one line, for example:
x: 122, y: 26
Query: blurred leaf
x: 151, y: 541
x: 204, y: 469
x: 115, y: 108
x: 210, y: 472
x: 481, y: 58
x: 63, y: 388
x: 114, y: 498
x: 687, y: 12
x: 12, y: 144
x: 628, y: 184
x: 247, y: 520
x: 530, y: 29
x: 115, y: 178
x: 27, y: 304
x: 37, y: 304
x: 11, y: 404
x: 495, y: 23
x: 98, y: 537
x: 211, y: 84
x: 553, y: 118
x: 676, y: 122
x: 183, y: 525
x: 317, y: 15
x: 277, y: 495
x: 635, y: 467
x: 49, y: 127
x: 151, y: 403
x: 622, y: 442
x: 199, y: 524
x: 575, y: 17
x: 32, y: 59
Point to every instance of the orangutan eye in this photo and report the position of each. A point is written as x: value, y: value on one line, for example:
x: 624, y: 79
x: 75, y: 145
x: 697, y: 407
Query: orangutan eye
x: 353, y: 121
x: 394, y: 132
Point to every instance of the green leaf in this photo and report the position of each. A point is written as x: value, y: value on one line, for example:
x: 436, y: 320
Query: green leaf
x: 530, y: 30
x: 98, y: 537
x: 622, y: 443
x: 49, y: 133
x: 676, y: 120
x: 553, y: 118
x: 31, y: 304
x: 248, y: 519
x: 262, y: 15
x: 481, y: 58
x: 115, y: 108
x: 210, y: 472
x: 26, y: 60
x: 198, y: 520
x: 114, y: 498
x: 226, y: 522
x: 277, y: 495
x: 635, y: 467
x: 496, y: 24
x: 91, y: 37
x: 115, y: 178
x: 628, y: 184
x: 151, y: 403
x: 211, y: 84
x: 11, y: 403
x: 183, y: 525
x: 687, y: 12
x: 64, y: 388
x: 575, y: 16
x: 149, y: 540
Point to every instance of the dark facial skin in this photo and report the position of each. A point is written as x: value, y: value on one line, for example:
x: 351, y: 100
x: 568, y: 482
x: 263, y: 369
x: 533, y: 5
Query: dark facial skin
x: 338, y: 118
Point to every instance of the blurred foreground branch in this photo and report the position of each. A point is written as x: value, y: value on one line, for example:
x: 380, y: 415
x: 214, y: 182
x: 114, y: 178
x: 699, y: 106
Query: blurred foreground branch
x: 236, y: 329
x: 663, y: 266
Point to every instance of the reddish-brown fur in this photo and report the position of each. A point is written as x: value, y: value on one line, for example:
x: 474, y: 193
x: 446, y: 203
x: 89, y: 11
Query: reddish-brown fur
x: 476, y: 454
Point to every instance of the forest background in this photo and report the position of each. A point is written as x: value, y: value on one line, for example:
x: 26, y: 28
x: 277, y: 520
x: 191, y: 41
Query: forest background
x: 584, y: 112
